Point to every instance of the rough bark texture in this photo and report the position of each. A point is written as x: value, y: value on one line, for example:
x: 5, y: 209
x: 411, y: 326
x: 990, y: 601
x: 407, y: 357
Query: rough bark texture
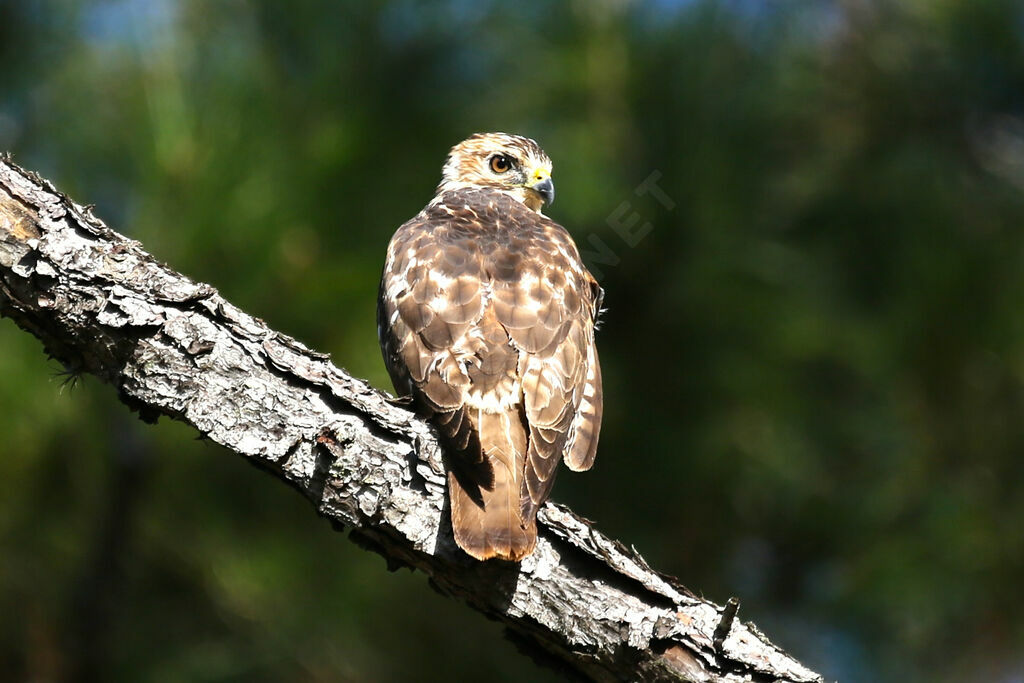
x: 171, y: 346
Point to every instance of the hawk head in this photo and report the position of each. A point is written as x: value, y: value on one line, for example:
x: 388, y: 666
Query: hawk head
x: 511, y: 164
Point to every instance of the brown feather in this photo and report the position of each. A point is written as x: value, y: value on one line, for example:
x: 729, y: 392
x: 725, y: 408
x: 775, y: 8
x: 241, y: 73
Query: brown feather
x: 486, y: 317
x: 494, y: 525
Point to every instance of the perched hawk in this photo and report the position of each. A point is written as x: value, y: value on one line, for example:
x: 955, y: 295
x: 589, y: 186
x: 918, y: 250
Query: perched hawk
x: 486, y: 318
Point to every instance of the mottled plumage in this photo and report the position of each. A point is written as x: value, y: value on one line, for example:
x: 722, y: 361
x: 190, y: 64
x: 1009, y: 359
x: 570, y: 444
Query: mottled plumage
x: 486, y: 318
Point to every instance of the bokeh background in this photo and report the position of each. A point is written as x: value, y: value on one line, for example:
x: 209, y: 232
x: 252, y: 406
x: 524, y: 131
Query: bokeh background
x: 813, y: 353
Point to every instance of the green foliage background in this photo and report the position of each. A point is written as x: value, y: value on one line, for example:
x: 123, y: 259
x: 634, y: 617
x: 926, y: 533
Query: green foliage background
x: 814, y: 361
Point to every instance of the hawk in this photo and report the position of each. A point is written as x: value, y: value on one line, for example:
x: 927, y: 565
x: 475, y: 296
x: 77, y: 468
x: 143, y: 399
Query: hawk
x: 486, y: 319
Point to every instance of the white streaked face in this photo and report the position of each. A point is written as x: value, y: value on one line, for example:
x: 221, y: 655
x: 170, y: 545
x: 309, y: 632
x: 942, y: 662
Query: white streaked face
x: 511, y: 164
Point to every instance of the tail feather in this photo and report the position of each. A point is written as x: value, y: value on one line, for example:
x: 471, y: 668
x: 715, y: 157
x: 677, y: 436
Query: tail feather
x: 489, y: 521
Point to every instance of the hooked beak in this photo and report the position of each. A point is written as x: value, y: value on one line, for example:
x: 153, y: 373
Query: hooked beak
x: 543, y: 186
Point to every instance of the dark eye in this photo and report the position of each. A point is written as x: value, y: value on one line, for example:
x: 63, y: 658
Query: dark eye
x: 501, y: 163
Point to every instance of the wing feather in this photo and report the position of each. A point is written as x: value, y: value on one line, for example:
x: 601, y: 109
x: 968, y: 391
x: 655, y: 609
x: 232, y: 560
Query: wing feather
x: 486, y: 317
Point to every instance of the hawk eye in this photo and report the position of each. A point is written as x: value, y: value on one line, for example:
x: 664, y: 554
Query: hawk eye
x: 501, y: 163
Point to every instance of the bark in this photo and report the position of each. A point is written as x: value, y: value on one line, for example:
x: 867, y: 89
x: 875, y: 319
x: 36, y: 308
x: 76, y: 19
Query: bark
x: 584, y: 602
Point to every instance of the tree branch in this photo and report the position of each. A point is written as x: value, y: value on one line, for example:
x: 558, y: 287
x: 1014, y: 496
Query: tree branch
x: 171, y: 346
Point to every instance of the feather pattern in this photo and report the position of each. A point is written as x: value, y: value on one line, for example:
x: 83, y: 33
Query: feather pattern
x: 486, y: 318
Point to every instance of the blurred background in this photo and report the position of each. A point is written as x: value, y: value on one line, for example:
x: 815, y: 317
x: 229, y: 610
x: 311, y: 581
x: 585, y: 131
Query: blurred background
x: 813, y: 353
